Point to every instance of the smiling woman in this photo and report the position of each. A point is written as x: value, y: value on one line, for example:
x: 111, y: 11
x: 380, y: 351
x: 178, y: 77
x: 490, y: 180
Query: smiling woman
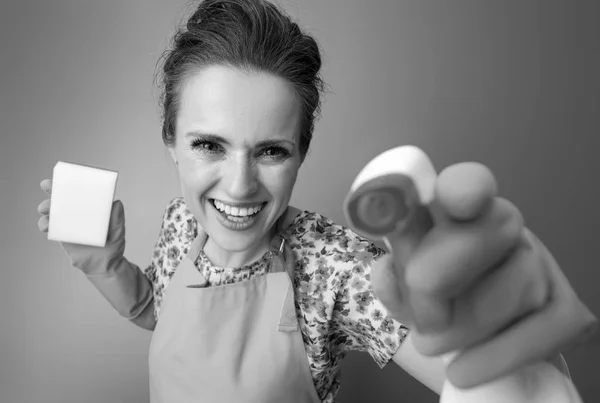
x: 241, y: 92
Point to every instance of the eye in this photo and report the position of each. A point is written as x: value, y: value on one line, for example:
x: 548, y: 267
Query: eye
x: 209, y: 147
x: 276, y: 152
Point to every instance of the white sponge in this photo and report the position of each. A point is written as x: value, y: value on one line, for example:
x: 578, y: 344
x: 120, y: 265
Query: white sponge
x: 81, y: 204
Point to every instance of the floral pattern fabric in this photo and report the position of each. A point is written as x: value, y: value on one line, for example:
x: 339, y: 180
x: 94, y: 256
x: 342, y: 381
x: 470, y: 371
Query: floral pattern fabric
x: 336, y: 309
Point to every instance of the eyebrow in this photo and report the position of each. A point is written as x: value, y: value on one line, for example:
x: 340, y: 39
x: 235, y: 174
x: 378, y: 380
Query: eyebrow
x: 218, y: 139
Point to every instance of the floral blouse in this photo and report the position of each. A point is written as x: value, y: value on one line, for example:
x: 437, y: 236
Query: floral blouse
x: 336, y: 309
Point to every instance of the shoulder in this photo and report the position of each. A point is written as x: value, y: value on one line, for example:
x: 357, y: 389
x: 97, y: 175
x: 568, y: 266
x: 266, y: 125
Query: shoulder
x: 315, y: 234
x: 177, y: 231
x: 332, y: 260
x: 178, y: 220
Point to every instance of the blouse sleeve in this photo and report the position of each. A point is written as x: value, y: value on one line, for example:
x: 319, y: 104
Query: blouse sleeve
x: 178, y: 230
x: 360, y: 321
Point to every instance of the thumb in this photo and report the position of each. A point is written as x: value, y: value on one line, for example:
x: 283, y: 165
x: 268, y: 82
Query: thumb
x: 463, y: 192
x: 116, y: 229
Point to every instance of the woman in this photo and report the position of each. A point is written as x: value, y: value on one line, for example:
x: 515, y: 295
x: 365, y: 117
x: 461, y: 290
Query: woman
x: 253, y: 300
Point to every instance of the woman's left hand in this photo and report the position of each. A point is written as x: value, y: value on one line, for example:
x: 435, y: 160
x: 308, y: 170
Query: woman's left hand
x: 469, y: 277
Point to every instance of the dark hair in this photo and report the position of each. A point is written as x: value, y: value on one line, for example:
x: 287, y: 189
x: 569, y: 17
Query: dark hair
x: 252, y: 35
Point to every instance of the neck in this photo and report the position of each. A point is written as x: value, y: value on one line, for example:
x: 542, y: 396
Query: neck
x: 226, y: 258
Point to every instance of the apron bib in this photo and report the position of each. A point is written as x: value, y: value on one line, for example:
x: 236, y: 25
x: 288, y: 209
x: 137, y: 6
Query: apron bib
x: 238, y: 342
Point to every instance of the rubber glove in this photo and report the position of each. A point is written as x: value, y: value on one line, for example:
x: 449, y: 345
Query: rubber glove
x: 121, y: 282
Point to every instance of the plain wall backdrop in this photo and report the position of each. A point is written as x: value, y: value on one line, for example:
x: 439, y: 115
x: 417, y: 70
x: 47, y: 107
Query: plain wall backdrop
x: 513, y: 84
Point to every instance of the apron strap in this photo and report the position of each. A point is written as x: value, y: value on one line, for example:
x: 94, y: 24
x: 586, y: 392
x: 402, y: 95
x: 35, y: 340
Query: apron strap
x: 278, y: 243
x: 283, y: 260
x: 193, y: 254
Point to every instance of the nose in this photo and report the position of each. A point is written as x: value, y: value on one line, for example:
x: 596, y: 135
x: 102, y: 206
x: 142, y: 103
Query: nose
x: 241, y: 178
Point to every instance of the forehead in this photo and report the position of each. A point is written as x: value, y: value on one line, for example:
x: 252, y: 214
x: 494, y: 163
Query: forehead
x: 228, y: 101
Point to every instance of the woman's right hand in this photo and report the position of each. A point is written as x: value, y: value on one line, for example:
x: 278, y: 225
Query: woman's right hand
x: 92, y: 260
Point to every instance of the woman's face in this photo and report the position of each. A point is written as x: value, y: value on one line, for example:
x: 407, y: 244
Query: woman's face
x: 237, y: 152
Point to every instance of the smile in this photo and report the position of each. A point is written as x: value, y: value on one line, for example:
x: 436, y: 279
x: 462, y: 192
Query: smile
x: 237, y: 211
x: 237, y: 218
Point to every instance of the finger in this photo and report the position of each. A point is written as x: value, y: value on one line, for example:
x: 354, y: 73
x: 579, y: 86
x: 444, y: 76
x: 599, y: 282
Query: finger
x: 464, y: 191
x: 46, y: 186
x: 515, y: 288
x: 451, y: 257
x: 43, y: 223
x: 563, y: 322
x: 44, y: 207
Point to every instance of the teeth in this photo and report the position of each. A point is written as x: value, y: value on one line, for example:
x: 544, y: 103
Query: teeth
x: 236, y: 211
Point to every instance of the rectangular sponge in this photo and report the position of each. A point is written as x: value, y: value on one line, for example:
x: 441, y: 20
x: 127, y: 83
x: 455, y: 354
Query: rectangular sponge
x: 81, y: 204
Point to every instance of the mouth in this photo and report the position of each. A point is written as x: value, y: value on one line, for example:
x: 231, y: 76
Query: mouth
x: 237, y: 218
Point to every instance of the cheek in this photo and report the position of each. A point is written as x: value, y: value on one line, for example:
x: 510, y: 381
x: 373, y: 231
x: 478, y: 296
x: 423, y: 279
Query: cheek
x: 194, y: 176
x: 280, y: 181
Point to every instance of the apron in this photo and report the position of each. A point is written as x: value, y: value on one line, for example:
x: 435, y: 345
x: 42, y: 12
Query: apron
x: 234, y: 343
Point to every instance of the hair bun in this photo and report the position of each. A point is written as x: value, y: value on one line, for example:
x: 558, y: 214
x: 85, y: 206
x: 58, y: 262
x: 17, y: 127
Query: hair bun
x: 212, y: 10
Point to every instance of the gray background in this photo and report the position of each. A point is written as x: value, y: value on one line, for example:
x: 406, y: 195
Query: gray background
x: 513, y: 84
